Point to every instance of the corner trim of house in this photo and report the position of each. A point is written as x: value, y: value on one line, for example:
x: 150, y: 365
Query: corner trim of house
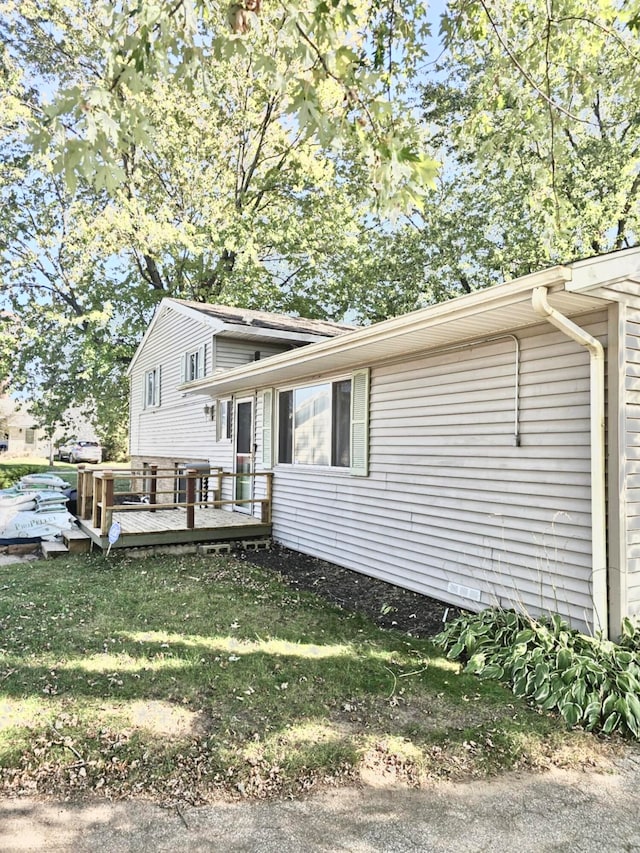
x: 616, y: 473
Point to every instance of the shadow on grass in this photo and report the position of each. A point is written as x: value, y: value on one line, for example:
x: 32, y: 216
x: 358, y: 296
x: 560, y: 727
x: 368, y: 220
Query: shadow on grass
x: 225, y: 665
x: 280, y: 687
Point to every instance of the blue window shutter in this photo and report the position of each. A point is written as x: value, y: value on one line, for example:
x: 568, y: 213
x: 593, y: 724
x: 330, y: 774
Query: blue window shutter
x: 360, y: 423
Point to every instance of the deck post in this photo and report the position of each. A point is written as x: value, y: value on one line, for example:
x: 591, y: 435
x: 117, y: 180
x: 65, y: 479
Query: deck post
x: 85, y: 494
x: 80, y: 490
x: 96, y: 497
x: 153, y: 485
x: 107, y: 501
x: 266, y: 506
x: 219, y: 485
x: 191, y: 497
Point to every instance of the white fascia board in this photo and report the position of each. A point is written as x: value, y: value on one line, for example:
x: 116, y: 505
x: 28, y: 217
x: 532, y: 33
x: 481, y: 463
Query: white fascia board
x: 306, y: 358
x: 171, y: 304
x: 156, y: 316
x: 605, y: 270
x: 258, y: 333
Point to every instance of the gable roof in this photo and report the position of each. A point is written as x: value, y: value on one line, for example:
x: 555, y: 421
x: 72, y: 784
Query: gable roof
x: 236, y: 318
x: 257, y: 326
x: 487, y: 313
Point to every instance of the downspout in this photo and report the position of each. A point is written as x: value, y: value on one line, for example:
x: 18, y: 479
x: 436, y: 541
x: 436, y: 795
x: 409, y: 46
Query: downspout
x: 597, y: 416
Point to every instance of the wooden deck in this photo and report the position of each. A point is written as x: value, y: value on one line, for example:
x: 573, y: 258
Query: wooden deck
x: 169, y: 527
x: 201, y: 518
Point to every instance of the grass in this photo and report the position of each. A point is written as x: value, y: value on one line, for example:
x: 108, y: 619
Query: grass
x: 13, y: 468
x: 187, y: 678
x: 42, y: 462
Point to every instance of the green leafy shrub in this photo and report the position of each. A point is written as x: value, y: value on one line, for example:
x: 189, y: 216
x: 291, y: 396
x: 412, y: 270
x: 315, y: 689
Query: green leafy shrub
x: 10, y: 474
x: 589, y: 681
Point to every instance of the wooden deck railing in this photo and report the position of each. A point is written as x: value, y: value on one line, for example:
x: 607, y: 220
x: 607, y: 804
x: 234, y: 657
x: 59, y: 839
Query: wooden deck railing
x: 98, y: 493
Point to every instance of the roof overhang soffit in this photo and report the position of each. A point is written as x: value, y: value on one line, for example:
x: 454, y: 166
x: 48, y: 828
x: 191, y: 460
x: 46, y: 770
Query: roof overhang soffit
x: 498, y: 310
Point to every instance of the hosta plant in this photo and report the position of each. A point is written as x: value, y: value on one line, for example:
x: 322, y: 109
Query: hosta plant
x: 589, y: 681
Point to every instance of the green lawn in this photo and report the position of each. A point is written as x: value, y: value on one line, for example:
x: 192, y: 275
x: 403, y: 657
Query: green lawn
x: 12, y: 469
x: 187, y: 678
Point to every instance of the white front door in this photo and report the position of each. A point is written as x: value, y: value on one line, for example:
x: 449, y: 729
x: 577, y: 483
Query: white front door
x: 243, y: 453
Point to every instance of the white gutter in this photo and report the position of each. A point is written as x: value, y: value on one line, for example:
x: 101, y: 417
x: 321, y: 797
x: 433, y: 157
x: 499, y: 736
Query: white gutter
x: 308, y: 358
x: 541, y: 306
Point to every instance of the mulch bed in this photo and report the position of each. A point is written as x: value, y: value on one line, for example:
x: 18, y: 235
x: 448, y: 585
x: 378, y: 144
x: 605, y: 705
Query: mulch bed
x: 388, y: 605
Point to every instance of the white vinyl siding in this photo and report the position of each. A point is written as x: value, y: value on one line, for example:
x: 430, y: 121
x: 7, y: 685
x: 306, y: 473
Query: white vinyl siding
x: 632, y: 454
x: 178, y: 428
x: 231, y: 353
x: 450, y: 501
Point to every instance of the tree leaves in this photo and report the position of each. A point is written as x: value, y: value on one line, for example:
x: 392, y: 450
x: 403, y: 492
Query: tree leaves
x: 548, y: 102
x: 340, y: 89
x: 217, y: 196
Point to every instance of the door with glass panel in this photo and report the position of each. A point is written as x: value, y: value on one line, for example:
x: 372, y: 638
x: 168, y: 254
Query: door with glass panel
x: 243, y: 453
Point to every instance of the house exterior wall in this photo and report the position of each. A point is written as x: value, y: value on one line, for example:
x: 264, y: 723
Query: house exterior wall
x: 18, y: 434
x: 229, y: 353
x: 451, y: 507
x: 24, y: 441
x: 176, y: 431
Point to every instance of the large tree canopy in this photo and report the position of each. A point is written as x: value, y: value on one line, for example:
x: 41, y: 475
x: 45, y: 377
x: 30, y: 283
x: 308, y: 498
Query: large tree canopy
x: 538, y: 119
x: 341, y: 71
x: 533, y: 109
x: 225, y: 197
x: 247, y: 153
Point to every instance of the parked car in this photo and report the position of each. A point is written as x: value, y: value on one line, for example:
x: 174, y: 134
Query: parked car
x: 79, y: 450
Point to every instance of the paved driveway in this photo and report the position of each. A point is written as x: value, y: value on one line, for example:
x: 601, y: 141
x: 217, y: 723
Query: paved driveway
x: 564, y: 811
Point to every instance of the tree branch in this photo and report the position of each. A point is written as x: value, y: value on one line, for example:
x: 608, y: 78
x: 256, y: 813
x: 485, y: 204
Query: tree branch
x: 526, y: 74
x: 612, y: 33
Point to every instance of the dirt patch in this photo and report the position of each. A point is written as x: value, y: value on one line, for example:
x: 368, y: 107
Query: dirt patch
x: 388, y: 605
x: 166, y: 719
x: 13, y: 713
x: 159, y: 717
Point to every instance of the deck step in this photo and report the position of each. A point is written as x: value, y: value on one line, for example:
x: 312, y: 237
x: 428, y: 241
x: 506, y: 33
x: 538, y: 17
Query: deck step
x: 76, y: 541
x: 50, y: 550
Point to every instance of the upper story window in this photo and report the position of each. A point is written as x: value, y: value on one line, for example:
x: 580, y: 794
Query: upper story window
x: 151, y: 392
x: 193, y: 364
x: 314, y: 425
